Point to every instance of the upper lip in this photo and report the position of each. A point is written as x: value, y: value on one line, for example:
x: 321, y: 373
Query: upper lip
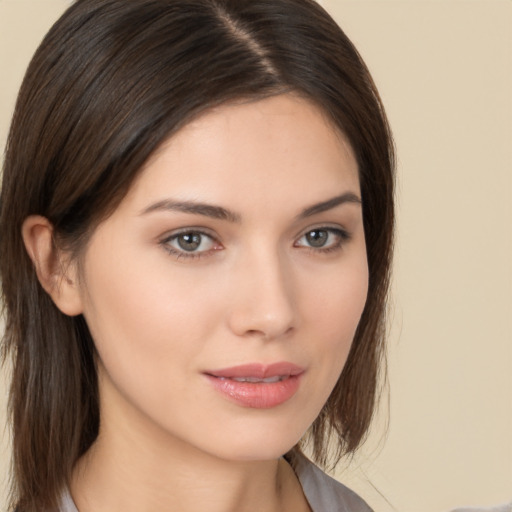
x: 258, y: 370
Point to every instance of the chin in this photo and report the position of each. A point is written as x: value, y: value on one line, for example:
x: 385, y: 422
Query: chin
x: 258, y: 444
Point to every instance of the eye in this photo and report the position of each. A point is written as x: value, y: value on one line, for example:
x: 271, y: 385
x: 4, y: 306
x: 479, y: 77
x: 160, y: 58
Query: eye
x: 190, y: 243
x: 323, y: 239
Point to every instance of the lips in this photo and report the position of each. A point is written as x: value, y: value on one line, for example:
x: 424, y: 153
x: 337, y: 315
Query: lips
x: 256, y: 385
x: 277, y: 378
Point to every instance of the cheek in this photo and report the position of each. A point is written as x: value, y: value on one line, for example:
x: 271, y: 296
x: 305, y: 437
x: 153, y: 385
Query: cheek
x: 145, y: 326
x: 337, y: 301
x: 143, y: 318
x: 334, y: 312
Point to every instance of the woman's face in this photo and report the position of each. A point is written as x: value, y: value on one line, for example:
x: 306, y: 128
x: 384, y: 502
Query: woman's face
x: 238, y: 255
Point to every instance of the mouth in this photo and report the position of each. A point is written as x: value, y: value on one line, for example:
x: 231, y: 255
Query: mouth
x: 257, y: 386
x: 277, y: 378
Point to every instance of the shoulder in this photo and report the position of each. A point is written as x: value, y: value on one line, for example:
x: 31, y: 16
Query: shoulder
x: 325, y: 494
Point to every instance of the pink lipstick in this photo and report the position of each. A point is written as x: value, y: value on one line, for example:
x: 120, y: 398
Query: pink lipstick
x: 257, y: 385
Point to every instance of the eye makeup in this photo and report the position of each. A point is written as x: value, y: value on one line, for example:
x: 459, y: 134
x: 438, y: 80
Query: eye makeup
x: 194, y: 243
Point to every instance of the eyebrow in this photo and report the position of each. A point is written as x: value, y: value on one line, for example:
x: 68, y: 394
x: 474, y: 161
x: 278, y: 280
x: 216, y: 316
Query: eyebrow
x: 207, y: 210
x: 218, y: 212
x: 347, y: 197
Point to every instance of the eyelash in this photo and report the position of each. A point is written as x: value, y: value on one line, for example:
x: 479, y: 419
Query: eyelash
x: 341, y: 235
x: 178, y: 254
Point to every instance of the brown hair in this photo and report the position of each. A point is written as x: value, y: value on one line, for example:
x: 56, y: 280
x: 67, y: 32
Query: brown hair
x: 110, y: 82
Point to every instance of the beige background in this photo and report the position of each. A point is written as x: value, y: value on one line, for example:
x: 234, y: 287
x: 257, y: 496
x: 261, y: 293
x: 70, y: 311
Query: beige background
x: 444, y: 69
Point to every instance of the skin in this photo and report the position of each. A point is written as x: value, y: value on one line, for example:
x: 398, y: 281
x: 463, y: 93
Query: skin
x: 254, y: 291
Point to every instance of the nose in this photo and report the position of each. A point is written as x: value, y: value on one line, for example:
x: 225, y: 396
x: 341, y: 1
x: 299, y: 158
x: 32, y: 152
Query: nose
x: 263, y: 298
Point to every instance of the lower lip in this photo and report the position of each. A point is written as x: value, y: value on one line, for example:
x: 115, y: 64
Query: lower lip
x: 257, y: 395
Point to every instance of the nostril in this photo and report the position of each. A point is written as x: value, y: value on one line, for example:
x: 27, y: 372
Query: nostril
x: 268, y: 334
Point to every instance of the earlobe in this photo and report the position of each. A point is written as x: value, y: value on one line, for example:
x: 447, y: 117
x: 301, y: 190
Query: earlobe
x: 57, y: 276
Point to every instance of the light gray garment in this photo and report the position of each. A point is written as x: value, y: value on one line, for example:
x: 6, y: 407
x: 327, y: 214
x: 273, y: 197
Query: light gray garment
x: 507, y: 507
x: 323, y: 493
x: 66, y: 503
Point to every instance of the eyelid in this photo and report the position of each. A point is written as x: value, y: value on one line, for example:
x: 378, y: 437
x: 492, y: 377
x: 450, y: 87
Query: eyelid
x: 189, y: 229
x: 343, y: 234
x: 334, y: 227
x: 343, y: 237
x: 182, y: 254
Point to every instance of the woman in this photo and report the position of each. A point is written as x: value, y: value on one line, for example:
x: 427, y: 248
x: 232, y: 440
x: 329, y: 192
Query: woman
x: 196, y: 223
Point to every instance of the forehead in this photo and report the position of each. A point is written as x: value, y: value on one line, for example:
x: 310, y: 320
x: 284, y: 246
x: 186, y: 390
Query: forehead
x: 253, y: 150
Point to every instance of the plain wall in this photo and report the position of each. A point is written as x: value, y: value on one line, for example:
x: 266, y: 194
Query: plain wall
x: 444, y: 70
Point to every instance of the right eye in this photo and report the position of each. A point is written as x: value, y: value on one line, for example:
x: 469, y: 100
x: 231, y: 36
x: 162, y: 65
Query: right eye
x: 190, y: 244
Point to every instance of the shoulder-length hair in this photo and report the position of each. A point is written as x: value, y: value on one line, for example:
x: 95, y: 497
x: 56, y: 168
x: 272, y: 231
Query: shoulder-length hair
x: 110, y: 82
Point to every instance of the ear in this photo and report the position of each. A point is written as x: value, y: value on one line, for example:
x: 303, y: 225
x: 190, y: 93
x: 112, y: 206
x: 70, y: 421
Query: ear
x: 56, y: 273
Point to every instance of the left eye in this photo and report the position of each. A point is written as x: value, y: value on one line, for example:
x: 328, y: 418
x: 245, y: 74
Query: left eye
x: 190, y: 242
x: 322, y: 238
